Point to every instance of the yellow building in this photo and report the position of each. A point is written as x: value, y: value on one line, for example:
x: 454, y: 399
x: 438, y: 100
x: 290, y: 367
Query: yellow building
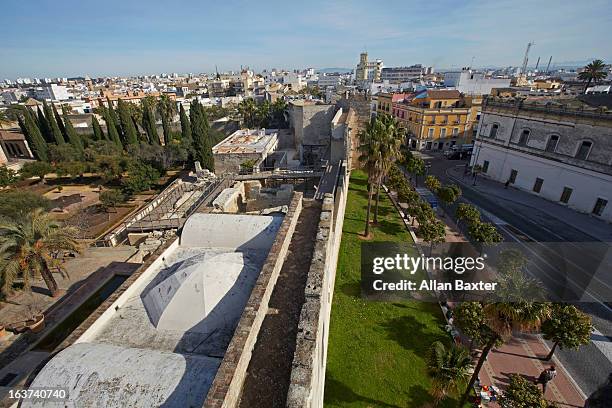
x: 435, y: 119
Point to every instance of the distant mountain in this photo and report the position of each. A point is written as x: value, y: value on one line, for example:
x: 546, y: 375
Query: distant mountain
x: 328, y: 70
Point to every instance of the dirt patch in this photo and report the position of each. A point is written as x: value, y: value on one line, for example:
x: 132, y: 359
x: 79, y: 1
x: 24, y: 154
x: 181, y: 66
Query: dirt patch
x: 268, y: 375
x: 63, y: 202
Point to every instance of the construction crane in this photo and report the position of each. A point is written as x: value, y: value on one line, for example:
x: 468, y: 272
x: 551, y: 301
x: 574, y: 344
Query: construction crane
x: 548, y: 66
x: 537, y: 64
x: 526, y: 59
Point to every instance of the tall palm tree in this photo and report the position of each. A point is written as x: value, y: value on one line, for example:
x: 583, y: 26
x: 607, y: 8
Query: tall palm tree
x: 503, y: 319
x: 278, y: 112
x: 370, y: 157
x: 592, y: 72
x: 449, y: 369
x: 390, y: 145
x: 28, y: 247
x: 248, y: 110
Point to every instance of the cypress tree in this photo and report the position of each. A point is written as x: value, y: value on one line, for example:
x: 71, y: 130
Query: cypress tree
x: 130, y: 135
x: 111, y: 129
x: 166, y: 108
x: 200, y: 135
x: 43, y: 126
x: 113, y: 114
x: 58, y: 120
x: 166, y: 128
x: 148, y: 122
x: 38, y: 146
x: 73, y: 137
x: 98, y: 134
x: 185, y: 125
x: 53, y: 126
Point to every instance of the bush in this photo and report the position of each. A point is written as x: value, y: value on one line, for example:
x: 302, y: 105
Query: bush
x: 7, y: 176
x: 111, y: 198
x: 35, y: 169
x: 141, y: 177
x: 17, y: 203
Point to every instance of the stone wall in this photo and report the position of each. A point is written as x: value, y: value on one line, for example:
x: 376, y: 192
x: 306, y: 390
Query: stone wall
x: 310, y: 358
x: 311, y: 124
x: 227, y: 385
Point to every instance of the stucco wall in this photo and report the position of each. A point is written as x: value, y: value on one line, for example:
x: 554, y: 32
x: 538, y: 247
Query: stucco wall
x: 587, y: 185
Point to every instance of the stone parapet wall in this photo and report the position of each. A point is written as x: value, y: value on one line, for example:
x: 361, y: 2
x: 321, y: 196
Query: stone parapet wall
x: 310, y: 358
x: 227, y: 385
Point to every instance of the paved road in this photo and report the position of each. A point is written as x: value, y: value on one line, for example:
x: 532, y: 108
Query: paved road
x: 591, y: 364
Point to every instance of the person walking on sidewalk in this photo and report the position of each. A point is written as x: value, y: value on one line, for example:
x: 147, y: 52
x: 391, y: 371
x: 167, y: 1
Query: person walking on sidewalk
x: 546, y: 376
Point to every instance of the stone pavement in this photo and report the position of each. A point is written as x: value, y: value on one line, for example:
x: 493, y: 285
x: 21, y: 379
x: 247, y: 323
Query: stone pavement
x: 522, y: 355
x: 584, y: 222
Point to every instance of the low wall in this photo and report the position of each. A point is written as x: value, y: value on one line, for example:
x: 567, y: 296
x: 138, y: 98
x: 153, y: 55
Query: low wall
x: 227, y: 385
x: 310, y: 358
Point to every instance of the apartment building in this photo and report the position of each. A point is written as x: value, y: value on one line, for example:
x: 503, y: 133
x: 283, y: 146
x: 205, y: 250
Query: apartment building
x: 433, y: 119
x: 560, y: 152
x: 398, y: 75
x: 469, y: 82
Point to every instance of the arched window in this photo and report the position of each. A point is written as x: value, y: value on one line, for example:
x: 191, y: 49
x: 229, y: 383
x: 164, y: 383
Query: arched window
x: 524, y: 137
x: 584, y: 149
x: 551, y: 145
x: 494, y: 130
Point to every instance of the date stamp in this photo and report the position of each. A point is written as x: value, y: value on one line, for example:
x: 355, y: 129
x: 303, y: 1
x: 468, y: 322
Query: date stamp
x: 35, y: 394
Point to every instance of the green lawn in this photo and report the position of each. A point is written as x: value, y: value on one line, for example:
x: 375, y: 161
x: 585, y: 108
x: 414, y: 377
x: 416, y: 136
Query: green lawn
x: 377, y: 350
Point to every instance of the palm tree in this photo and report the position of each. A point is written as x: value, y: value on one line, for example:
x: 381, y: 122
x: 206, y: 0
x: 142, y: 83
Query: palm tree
x: 449, y: 369
x: 370, y: 156
x: 502, y: 319
x: 278, y: 112
x: 28, y: 248
x: 248, y: 110
x: 593, y: 72
x: 390, y: 145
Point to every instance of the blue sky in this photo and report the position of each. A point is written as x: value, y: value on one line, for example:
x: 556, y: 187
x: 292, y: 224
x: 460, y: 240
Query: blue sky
x: 66, y: 37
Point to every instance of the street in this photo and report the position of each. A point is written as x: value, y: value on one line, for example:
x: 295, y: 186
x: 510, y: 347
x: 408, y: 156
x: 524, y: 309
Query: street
x: 591, y: 364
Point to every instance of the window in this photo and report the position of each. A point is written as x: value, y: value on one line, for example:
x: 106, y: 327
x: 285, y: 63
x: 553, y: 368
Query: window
x: 600, y: 205
x: 565, y: 196
x: 494, y: 130
x: 430, y: 132
x: 584, y: 150
x: 537, y: 186
x: 513, y: 175
x: 455, y: 131
x: 552, y: 143
x: 485, y: 166
x: 443, y: 132
x: 524, y: 137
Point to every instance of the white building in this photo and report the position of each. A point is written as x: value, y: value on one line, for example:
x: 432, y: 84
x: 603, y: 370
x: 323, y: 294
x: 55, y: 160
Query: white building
x: 52, y: 92
x: 397, y: 75
x: 326, y: 80
x: 561, y: 154
x: 473, y: 83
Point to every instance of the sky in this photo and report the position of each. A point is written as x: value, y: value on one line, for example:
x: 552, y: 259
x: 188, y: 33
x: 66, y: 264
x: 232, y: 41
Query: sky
x: 51, y: 38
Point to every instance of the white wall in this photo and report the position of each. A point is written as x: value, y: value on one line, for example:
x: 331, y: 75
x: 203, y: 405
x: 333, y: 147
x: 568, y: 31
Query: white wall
x: 587, y: 185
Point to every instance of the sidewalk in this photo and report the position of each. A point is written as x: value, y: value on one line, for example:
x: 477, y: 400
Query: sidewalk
x: 521, y: 355
x: 589, y: 225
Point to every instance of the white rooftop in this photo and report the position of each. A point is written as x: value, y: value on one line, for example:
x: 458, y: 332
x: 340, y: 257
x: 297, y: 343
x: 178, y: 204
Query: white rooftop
x: 162, y: 341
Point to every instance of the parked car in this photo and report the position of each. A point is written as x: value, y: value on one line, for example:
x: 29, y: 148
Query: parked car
x: 459, y: 152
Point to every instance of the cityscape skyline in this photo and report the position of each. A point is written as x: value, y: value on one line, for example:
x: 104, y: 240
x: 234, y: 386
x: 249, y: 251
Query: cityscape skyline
x: 133, y: 39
